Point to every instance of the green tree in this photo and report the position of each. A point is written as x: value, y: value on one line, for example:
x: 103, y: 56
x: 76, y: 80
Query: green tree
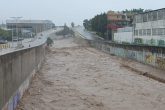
x: 99, y: 24
x: 49, y: 41
x: 134, y: 11
x: 72, y: 24
x: 5, y: 35
x: 87, y: 24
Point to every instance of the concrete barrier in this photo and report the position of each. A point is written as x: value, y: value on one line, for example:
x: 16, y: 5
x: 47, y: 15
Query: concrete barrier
x: 16, y: 71
x: 150, y: 55
x: 4, y: 46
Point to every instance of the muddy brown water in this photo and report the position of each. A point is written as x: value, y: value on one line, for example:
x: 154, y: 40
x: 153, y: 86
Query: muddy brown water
x: 83, y: 78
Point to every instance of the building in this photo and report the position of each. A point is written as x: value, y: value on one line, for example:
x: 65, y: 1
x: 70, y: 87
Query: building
x: 116, y: 20
x: 149, y: 27
x: 34, y: 26
x: 124, y: 35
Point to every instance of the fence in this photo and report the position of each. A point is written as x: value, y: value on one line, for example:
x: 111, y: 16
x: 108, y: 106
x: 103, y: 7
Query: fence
x: 4, y: 46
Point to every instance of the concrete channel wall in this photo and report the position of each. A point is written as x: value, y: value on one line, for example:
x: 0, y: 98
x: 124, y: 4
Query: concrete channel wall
x: 151, y: 55
x: 16, y: 71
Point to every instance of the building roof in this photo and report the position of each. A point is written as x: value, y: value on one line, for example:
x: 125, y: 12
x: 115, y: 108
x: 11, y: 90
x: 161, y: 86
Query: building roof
x: 150, y: 11
x: 30, y: 21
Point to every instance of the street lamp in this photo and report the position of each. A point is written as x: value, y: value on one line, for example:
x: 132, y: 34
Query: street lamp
x: 16, y: 27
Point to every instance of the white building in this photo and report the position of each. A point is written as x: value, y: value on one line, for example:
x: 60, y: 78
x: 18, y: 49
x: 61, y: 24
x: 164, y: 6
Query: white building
x: 35, y: 26
x: 150, y: 26
x: 124, y: 35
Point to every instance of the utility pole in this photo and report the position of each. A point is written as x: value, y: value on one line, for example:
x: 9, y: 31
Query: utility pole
x: 12, y: 36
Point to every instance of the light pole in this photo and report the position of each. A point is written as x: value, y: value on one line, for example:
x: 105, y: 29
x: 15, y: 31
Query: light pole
x: 16, y: 28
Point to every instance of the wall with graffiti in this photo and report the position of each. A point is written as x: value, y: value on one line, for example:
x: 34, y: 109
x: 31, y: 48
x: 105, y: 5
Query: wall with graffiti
x: 16, y: 71
x: 154, y: 56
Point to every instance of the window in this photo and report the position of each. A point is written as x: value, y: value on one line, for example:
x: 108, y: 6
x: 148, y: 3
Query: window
x: 150, y: 17
x: 154, y: 16
x: 148, y: 32
x: 138, y: 19
x: 160, y: 14
x: 161, y: 31
x: 140, y: 32
x: 123, y: 17
x: 163, y: 11
x: 136, y: 33
x: 154, y: 31
x: 144, y: 32
x: 158, y: 31
x: 145, y: 18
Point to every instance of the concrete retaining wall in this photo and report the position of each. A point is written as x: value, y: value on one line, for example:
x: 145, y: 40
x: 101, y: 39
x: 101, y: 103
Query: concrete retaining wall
x: 16, y: 70
x: 154, y: 56
x: 150, y: 55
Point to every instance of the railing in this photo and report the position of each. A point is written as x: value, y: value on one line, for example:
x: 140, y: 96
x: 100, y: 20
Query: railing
x: 4, y: 46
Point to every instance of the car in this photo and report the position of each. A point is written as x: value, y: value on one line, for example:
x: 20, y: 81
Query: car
x: 20, y: 39
x: 2, y: 41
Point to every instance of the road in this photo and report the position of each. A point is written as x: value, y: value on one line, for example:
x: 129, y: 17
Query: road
x: 77, y: 77
x: 28, y: 43
x: 86, y: 34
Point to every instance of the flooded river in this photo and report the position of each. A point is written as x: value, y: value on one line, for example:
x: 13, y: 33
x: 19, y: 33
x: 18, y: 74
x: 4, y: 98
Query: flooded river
x: 76, y: 77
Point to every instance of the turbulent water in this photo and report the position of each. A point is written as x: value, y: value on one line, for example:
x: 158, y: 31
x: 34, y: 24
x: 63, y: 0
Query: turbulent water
x: 76, y: 77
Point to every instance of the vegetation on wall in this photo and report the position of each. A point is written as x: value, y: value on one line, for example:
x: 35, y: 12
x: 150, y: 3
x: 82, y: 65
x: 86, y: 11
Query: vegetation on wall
x: 161, y: 42
x: 138, y: 41
x: 153, y: 42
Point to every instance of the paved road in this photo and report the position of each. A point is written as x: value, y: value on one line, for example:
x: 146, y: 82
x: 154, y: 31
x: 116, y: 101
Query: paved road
x: 86, y: 34
x: 27, y: 43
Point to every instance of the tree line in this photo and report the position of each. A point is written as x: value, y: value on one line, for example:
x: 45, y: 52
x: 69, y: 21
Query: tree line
x: 97, y: 24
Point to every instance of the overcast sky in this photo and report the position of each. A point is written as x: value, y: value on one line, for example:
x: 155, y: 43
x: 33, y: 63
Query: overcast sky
x: 61, y: 11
